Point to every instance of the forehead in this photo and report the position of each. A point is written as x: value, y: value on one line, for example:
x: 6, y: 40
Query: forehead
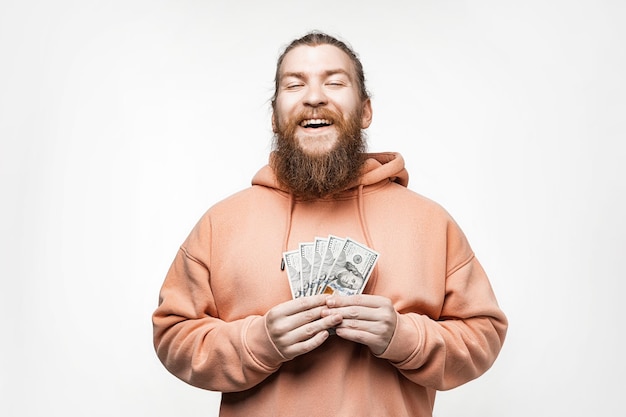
x: 315, y: 60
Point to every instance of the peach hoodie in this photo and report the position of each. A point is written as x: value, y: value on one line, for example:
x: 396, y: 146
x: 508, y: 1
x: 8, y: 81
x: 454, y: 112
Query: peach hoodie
x: 209, y: 327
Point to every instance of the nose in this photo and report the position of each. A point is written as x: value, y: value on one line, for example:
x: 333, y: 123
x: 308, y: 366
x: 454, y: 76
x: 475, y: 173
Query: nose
x: 315, y: 95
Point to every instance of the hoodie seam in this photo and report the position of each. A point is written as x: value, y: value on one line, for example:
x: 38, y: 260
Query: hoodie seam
x: 462, y: 264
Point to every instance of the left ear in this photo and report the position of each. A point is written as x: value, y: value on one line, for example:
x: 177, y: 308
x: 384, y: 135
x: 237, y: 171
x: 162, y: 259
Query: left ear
x: 366, y: 116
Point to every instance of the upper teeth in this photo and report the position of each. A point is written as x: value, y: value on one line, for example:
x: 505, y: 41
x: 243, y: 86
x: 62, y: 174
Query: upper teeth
x: 315, y: 122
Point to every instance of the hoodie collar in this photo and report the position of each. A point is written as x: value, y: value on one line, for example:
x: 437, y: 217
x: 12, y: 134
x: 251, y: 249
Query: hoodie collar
x: 378, y: 167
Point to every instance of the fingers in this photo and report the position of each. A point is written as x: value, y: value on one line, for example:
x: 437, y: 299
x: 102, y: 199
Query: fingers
x: 295, y: 313
x: 375, y: 335
x: 289, y: 334
x: 364, y: 300
x: 376, y: 342
x: 306, y: 338
x: 300, y: 304
x: 297, y: 326
x: 361, y: 307
x: 367, y: 319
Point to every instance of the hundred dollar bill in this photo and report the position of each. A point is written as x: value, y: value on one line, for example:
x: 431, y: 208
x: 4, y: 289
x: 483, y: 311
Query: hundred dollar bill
x: 333, y: 247
x: 292, y: 265
x: 351, y: 270
x: 306, y: 265
x: 319, y: 248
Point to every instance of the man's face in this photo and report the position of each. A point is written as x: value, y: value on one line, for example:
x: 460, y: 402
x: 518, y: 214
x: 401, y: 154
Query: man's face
x: 317, y: 92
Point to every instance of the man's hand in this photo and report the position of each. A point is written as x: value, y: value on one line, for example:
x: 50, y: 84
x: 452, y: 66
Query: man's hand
x: 367, y: 319
x: 297, y: 326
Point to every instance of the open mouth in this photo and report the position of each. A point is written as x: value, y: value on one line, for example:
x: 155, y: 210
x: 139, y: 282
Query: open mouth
x: 315, y: 123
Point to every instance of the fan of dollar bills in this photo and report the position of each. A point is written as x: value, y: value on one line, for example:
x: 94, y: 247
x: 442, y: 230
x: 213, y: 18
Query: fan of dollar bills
x: 329, y: 265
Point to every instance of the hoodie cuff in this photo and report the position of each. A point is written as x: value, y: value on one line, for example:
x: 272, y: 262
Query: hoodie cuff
x: 260, y: 346
x: 405, y: 343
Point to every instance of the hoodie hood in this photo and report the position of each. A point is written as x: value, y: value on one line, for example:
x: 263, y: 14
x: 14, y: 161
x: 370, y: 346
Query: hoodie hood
x: 378, y: 167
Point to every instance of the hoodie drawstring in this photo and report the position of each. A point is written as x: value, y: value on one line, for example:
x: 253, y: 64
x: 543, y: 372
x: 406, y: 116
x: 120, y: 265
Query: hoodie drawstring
x: 292, y: 204
x: 368, y: 239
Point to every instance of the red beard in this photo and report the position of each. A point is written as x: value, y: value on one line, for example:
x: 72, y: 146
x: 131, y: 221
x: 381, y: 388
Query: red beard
x: 313, y: 176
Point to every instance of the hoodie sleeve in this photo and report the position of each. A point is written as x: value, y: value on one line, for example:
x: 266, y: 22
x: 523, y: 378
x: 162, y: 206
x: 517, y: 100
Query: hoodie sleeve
x: 190, y: 339
x: 464, y: 341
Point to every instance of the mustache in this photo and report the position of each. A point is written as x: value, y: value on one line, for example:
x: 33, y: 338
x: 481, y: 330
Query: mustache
x: 308, y: 114
x: 321, y: 113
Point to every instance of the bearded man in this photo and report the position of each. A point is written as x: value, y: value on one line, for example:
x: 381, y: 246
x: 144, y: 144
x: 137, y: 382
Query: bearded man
x: 425, y: 320
x: 320, y: 110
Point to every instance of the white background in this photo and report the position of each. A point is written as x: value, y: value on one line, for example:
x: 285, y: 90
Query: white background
x: 121, y: 122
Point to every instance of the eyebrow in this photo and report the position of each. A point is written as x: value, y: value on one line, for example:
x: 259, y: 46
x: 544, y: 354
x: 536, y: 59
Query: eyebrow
x: 327, y: 73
